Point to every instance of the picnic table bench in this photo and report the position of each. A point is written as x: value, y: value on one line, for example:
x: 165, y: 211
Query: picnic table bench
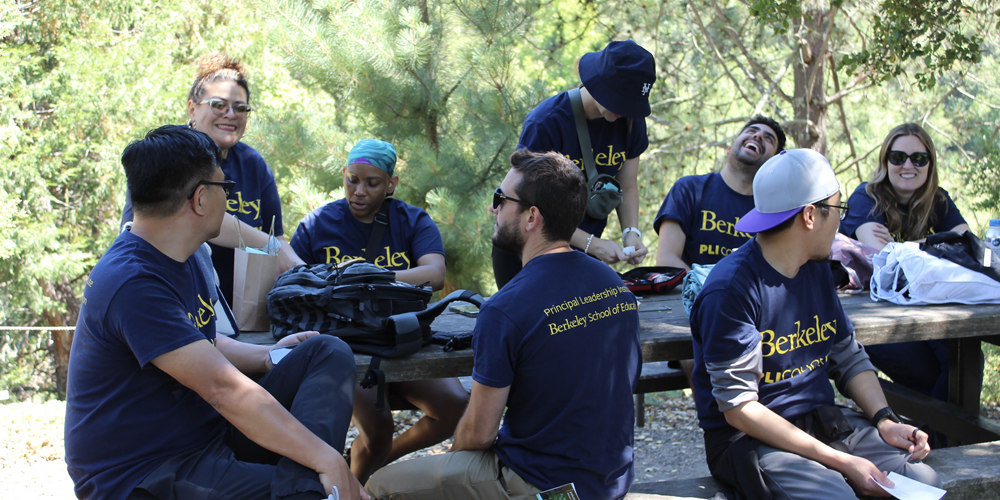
x: 665, y: 335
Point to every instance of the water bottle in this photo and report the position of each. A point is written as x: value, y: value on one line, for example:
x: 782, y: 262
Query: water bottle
x: 992, y: 238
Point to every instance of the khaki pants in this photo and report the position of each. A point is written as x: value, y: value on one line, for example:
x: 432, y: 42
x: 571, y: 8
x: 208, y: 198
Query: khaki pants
x: 462, y: 475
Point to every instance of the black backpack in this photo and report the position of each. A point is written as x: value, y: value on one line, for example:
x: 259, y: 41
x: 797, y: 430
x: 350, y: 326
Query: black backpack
x: 361, y: 303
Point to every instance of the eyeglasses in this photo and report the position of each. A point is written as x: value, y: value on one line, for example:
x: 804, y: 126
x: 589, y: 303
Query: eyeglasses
x: 918, y: 159
x: 843, y: 207
x: 227, y: 186
x: 221, y: 106
x: 499, y: 197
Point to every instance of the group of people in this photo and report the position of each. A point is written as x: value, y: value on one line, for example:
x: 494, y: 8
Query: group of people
x: 551, y: 397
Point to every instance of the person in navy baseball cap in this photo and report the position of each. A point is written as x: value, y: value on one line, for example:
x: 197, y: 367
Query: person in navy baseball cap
x: 614, y: 96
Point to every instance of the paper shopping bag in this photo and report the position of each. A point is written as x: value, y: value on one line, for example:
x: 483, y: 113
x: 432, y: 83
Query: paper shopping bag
x: 253, y: 277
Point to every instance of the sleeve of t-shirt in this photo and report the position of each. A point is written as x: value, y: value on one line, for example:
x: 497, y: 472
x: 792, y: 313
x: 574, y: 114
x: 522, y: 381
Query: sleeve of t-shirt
x: 951, y: 217
x: 495, y: 341
x: 638, y: 140
x: 270, y: 202
x: 426, y: 237
x: 150, y: 332
x: 860, y: 213
x: 302, y: 242
x: 729, y: 337
x: 536, y: 137
x: 676, y: 206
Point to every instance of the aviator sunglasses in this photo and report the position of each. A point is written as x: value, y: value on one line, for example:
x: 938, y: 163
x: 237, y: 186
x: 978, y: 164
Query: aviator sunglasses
x: 499, y: 197
x: 221, y: 106
x: 918, y: 159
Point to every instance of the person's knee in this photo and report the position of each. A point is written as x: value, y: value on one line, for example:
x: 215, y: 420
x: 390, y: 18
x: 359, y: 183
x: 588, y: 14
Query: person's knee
x: 921, y: 472
x: 448, y: 406
x: 375, y: 431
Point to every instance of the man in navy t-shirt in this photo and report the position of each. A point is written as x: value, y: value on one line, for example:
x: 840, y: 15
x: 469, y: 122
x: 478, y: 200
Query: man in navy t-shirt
x: 411, y: 246
x: 696, y: 221
x: 558, y: 346
x: 157, y: 403
x: 769, y: 333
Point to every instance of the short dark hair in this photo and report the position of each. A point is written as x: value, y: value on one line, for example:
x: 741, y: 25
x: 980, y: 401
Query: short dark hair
x: 763, y: 120
x: 791, y: 220
x: 556, y: 186
x: 162, y: 167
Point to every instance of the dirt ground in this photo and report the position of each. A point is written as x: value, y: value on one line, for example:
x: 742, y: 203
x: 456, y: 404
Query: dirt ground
x: 32, y: 466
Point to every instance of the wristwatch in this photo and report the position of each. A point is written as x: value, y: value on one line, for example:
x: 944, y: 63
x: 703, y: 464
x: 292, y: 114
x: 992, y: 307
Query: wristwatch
x: 630, y: 230
x: 883, y: 414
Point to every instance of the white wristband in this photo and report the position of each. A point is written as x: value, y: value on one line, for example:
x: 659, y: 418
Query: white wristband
x: 631, y: 230
x: 589, y: 239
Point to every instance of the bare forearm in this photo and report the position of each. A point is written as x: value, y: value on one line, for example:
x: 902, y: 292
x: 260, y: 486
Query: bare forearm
x: 247, y: 358
x: 467, y: 437
x: 422, y: 274
x: 761, y: 423
x: 866, y: 391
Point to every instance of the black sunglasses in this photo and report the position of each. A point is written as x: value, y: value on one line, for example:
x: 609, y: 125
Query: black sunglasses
x: 843, y: 207
x: 227, y: 186
x: 918, y: 159
x: 498, y: 198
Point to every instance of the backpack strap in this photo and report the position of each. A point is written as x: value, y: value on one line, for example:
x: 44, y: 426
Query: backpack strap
x: 375, y: 377
x: 583, y: 134
x: 381, y: 222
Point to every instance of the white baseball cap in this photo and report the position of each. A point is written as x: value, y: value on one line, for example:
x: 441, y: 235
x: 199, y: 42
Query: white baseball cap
x: 784, y: 184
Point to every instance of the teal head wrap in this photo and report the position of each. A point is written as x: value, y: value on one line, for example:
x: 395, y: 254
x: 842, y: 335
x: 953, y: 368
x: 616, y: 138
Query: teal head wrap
x: 379, y: 154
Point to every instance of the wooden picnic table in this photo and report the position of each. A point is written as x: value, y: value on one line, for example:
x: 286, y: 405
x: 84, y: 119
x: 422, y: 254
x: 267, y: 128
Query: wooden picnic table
x: 666, y: 336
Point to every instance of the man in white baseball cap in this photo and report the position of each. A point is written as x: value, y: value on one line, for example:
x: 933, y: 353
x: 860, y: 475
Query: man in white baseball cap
x: 769, y: 332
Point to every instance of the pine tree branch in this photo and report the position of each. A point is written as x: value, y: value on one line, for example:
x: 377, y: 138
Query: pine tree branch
x: 734, y: 36
x: 718, y: 56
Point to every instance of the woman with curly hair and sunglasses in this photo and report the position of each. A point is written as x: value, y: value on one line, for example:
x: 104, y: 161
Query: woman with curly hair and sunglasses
x: 903, y: 202
x: 219, y: 105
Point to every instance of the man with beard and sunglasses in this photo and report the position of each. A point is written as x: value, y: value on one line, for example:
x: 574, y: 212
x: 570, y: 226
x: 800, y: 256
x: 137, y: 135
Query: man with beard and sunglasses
x: 558, y: 346
x: 696, y: 222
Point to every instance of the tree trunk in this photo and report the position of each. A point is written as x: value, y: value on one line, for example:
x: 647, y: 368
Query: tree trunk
x: 809, y: 101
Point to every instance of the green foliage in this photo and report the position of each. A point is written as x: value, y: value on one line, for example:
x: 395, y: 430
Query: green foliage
x: 927, y: 32
x: 438, y: 81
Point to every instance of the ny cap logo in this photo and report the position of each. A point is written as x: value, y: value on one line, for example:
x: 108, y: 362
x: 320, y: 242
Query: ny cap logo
x: 645, y: 88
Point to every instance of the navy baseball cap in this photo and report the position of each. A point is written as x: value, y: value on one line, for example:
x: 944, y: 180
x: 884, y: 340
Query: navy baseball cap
x: 620, y: 78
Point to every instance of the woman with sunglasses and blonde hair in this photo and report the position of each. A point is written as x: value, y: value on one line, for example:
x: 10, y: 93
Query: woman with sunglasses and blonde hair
x: 219, y: 105
x: 903, y: 202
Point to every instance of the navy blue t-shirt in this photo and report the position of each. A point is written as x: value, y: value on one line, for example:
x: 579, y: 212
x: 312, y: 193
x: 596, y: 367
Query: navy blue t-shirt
x: 746, y: 303
x: 707, y: 210
x: 330, y: 234
x: 551, y: 127
x: 254, y: 201
x: 564, y: 335
x: 124, y: 416
x: 863, y: 208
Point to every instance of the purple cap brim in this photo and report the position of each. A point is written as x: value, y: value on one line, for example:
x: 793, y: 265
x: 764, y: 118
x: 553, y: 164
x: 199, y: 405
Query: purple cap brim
x: 755, y: 222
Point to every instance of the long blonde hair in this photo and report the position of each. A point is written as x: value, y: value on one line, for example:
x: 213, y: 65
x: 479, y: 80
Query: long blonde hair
x: 913, y: 222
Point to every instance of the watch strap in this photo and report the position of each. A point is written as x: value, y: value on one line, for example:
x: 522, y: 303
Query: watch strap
x: 883, y: 414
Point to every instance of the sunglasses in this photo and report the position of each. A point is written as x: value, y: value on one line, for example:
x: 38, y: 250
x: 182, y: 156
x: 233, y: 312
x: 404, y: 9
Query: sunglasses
x: 222, y: 106
x: 918, y: 159
x: 499, y: 197
x: 227, y: 186
x: 843, y: 207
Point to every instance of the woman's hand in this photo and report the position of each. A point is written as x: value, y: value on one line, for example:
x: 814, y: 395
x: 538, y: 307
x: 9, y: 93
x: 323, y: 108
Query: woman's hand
x: 637, y: 256
x: 287, y: 258
x: 874, y: 235
x: 608, y: 251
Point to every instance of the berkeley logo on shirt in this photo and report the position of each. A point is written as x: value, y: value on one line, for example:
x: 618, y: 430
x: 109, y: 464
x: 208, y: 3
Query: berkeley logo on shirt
x: 710, y: 223
x: 805, y: 334
x: 387, y: 260
x: 609, y: 159
x: 205, y: 313
x: 240, y: 206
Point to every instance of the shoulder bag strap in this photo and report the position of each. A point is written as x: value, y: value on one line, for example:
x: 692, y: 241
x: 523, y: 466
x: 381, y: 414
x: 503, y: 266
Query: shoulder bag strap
x: 381, y: 222
x: 583, y: 134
